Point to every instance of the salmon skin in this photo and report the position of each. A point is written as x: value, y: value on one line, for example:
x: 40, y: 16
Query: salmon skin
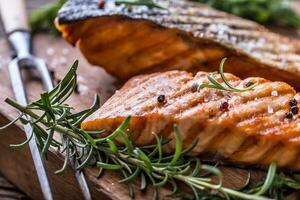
x: 186, y: 36
x: 249, y: 128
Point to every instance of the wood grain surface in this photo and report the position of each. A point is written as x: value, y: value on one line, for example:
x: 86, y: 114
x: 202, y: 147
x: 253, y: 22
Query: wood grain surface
x: 9, y: 191
x: 16, y: 164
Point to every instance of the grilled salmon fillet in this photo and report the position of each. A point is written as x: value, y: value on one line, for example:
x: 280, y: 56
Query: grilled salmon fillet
x: 186, y: 36
x: 252, y: 127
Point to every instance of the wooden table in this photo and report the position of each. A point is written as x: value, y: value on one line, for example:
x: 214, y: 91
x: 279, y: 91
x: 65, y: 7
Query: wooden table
x: 19, y: 165
x: 7, y: 190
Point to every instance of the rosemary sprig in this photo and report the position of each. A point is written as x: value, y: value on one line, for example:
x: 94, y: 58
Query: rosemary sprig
x: 51, y: 114
x: 213, y: 83
x: 148, y: 3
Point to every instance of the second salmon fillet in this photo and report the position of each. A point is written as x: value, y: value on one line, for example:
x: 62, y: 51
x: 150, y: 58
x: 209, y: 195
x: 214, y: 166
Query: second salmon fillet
x: 186, y: 36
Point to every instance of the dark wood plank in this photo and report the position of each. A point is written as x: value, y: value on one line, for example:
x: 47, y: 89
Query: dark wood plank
x: 17, y: 165
x: 21, y: 172
x: 9, y: 191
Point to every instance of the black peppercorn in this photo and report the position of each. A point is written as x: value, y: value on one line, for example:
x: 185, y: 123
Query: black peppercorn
x: 161, y: 98
x: 295, y: 110
x: 58, y: 81
x: 289, y: 115
x: 195, y: 87
x: 224, y: 106
x: 76, y: 89
x: 101, y: 4
x: 293, y: 102
x: 249, y: 84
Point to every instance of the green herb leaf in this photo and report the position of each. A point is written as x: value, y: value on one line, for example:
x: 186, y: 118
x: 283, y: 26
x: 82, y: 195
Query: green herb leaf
x: 112, y: 146
x: 178, y: 148
x: 109, y: 166
x: 51, y: 114
x: 131, y: 177
x: 269, y: 180
x: 141, y: 155
x: 216, y: 85
x: 23, y: 143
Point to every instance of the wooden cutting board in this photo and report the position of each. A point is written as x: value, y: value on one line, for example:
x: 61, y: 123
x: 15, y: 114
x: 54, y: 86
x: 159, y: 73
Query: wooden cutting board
x: 16, y: 164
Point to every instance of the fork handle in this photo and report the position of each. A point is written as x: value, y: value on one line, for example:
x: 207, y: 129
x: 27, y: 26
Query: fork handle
x: 14, y: 15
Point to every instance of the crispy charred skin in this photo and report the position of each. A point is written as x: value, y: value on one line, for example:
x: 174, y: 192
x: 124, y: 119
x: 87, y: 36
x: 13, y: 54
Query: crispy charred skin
x: 252, y: 130
x: 188, y: 36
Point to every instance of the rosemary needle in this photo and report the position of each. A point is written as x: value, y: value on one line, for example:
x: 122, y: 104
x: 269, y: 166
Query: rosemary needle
x: 148, y: 163
x: 213, y: 83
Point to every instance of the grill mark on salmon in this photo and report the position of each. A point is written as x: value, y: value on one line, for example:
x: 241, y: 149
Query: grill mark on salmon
x: 203, y: 34
x: 246, y: 133
x: 254, y: 108
x: 205, y: 22
x: 152, y: 103
x: 262, y: 123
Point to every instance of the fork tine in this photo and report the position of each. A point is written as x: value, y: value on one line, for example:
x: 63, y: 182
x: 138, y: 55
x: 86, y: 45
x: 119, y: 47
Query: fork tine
x: 20, y: 94
x: 47, y: 81
x: 42, y: 68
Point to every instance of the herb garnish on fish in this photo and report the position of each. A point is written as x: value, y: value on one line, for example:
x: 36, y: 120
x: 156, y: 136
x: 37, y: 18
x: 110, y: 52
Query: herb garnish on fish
x: 52, y: 114
x: 213, y: 83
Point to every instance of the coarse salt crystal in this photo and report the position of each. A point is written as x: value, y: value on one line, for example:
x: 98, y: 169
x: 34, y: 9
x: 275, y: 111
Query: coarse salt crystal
x: 274, y: 93
x: 80, y: 78
x: 50, y: 51
x: 62, y: 60
x: 270, y: 110
x: 65, y: 51
x: 54, y: 62
x: 83, y: 89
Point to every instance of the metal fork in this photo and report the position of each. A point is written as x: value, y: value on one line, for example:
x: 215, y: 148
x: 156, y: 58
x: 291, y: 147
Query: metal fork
x: 15, y: 21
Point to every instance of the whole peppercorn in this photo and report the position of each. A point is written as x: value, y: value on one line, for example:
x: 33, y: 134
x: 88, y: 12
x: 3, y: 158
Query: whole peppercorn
x: 161, y: 98
x: 101, y: 4
x: 293, y: 102
x: 76, y: 89
x: 249, y: 84
x: 295, y: 110
x: 58, y: 81
x: 289, y: 115
x: 195, y: 87
x: 224, y: 105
